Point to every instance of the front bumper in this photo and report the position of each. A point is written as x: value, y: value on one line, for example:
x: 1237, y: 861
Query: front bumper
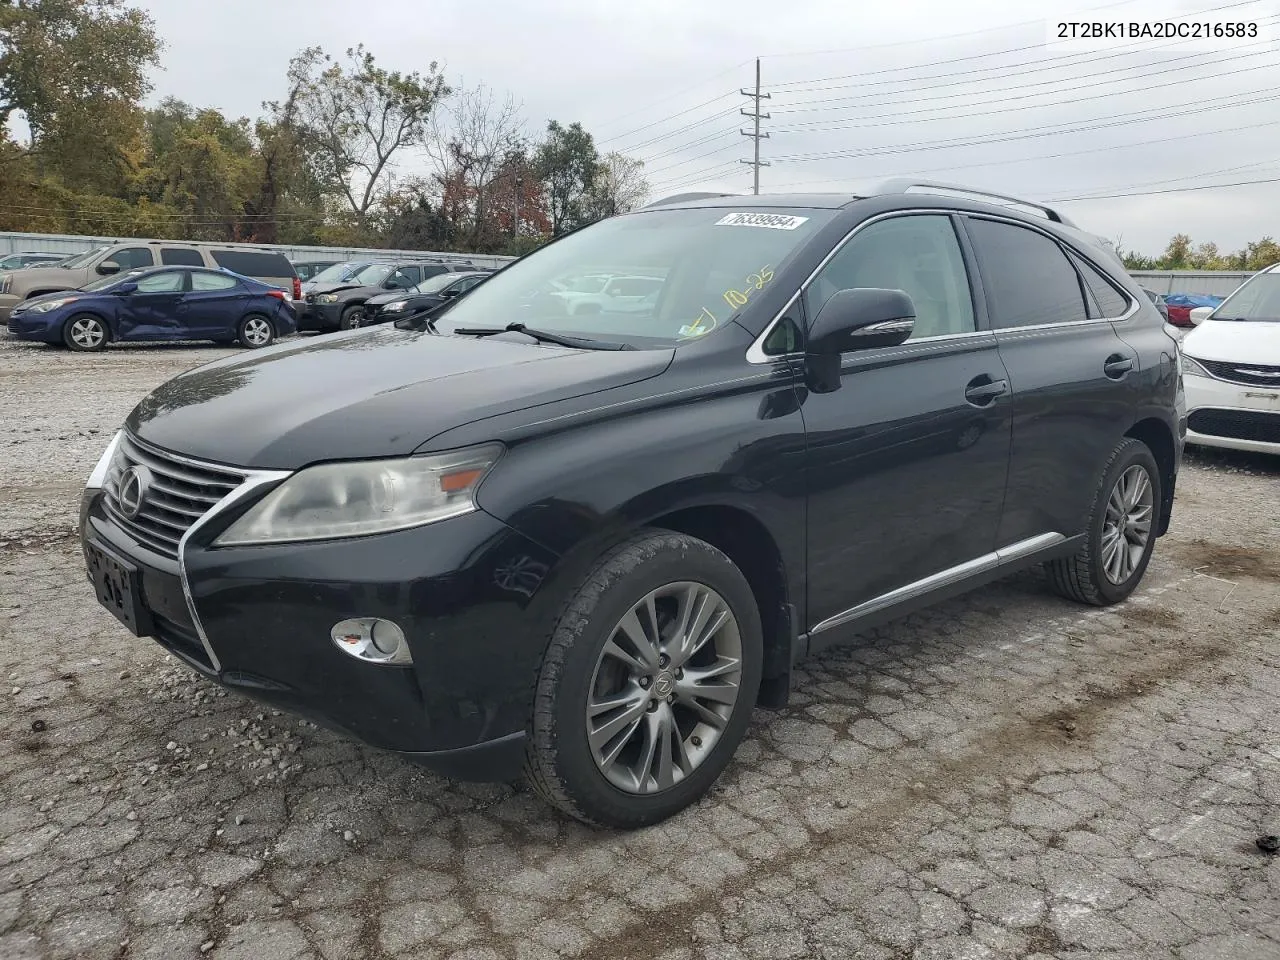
x: 319, y: 316
x: 1232, y: 416
x: 461, y: 591
x: 38, y: 326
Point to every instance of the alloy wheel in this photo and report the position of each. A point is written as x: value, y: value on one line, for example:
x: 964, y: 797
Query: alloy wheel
x: 1126, y: 528
x: 664, y: 687
x: 88, y: 333
x: 257, y: 332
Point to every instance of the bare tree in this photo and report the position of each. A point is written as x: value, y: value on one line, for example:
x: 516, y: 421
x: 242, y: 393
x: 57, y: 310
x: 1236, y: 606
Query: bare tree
x: 619, y: 186
x: 354, y: 120
x: 470, y: 141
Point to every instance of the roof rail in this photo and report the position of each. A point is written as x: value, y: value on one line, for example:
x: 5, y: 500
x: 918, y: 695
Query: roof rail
x: 686, y: 197
x: 906, y: 184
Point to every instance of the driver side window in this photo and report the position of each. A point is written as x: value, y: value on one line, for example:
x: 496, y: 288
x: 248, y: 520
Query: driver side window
x: 916, y: 253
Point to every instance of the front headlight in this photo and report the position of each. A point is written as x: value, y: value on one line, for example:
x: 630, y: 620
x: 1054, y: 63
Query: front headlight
x: 359, y: 498
x: 98, y: 478
x: 326, y: 298
x: 395, y: 305
x: 1190, y: 368
x: 46, y: 305
x: 6, y: 282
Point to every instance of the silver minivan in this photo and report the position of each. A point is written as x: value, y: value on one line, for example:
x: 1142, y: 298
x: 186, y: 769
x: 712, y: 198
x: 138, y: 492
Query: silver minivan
x: 268, y: 266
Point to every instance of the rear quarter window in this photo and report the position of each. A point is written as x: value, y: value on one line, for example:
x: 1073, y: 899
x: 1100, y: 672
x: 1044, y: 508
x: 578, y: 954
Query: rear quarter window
x: 252, y: 263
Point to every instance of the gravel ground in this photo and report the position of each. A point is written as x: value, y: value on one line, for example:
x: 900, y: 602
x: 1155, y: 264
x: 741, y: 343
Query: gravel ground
x: 1006, y: 775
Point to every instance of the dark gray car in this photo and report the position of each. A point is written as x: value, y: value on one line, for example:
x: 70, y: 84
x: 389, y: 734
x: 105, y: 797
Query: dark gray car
x: 339, y: 304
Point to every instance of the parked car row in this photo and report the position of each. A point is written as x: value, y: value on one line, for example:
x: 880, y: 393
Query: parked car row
x: 164, y: 290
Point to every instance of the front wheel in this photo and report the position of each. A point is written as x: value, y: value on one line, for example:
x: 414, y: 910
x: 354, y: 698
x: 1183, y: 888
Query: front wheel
x: 648, y: 683
x: 1121, y: 531
x: 352, y: 318
x: 85, y: 332
x: 255, y: 332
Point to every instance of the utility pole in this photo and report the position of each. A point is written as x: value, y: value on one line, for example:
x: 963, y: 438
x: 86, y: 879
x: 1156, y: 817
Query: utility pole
x: 757, y: 136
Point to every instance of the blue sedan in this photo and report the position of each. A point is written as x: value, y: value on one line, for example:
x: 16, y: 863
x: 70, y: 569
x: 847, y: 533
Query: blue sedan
x: 167, y: 303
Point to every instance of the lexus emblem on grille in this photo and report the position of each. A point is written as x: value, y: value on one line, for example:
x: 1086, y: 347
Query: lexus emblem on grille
x: 134, y: 483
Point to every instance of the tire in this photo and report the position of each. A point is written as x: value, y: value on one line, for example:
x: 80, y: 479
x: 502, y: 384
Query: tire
x: 255, y: 332
x: 1090, y: 575
x: 86, y: 333
x: 561, y: 763
x: 352, y: 318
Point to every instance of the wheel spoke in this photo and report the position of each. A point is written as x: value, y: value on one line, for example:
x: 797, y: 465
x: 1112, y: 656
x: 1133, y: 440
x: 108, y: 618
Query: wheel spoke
x: 600, y: 736
x: 667, y: 732
x: 705, y: 713
x: 1116, y: 503
x: 648, y: 750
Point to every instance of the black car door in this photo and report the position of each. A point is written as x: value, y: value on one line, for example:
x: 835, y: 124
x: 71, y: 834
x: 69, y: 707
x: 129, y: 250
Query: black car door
x: 907, y: 458
x: 1070, y: 374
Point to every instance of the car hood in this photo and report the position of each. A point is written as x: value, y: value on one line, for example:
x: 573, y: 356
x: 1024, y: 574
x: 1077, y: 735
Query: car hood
x: 1235, y: 341
x: 33, y: 276
x: 56, y: 295
x: 378, y: 392
x: 335, y: 287
x: 383, y: 299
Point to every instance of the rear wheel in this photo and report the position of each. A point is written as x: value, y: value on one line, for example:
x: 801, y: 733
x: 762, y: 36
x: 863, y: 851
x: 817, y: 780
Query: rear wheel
x: 85, y: 332
x: 255, y: 331
x: 648, y: 683
x: 1121, y: 531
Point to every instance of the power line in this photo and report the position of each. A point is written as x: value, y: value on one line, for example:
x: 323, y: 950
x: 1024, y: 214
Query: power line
x: 863, y: 122
x: 1058, y: 156
x: 672, y: 96
x: 1158, y: 193
x: 1135, y: 48
x: 1055, y: 84
x: 1036, y: 132
x: 623, y: 136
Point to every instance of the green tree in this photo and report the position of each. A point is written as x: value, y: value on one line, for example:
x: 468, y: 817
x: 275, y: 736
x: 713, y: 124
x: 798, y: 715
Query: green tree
x: 619, y: 186
x: 1261, y: 253
x: 75, y: 70
x: 567, y: 163
x: 1177, y: 253
x: 353, y: 120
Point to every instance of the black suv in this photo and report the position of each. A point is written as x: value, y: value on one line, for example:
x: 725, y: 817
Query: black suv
x: 339, y: 305
x: 513, y: 537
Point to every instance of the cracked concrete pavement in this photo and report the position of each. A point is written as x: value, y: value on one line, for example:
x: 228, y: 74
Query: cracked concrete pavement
x: 1005, y: 775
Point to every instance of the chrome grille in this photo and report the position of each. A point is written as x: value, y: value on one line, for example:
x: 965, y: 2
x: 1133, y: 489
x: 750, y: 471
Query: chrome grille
x: 1251, y: 374
x: 180, y: 493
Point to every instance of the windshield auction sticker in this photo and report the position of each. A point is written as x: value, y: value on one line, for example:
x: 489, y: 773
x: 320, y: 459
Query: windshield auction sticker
x: 771, y: 221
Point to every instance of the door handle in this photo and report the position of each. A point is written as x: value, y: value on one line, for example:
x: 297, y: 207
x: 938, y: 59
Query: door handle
x: 983, y: 390
x: 1117, y: 366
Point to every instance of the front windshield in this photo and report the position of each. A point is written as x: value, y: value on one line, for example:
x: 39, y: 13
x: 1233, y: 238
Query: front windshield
x: 80, y: 259
x: 665, y: 276
x: 372, y: 274
x: 337, y: 273
x: 437, y: 283
x: 1257, y: 299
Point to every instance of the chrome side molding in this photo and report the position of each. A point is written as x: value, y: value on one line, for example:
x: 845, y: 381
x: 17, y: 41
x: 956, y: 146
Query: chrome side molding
x: 1005, y: 556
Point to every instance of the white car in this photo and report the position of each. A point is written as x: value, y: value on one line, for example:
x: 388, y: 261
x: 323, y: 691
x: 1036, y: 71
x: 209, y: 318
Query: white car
x: 598, y: 294
x: 1231, y: 368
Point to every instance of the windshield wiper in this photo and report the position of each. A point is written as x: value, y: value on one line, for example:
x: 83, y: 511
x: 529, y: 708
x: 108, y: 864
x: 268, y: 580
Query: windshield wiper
x: 584, y: 343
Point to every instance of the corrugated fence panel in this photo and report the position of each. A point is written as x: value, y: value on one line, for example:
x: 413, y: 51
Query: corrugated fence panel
x: 1213, y: 283
x: 58, y: 243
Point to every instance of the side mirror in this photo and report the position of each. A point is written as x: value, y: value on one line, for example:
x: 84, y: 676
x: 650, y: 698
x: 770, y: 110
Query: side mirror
x: 1200, y: 314
x: 449, y: 294
x: 862, y: 319
x: 108, y: 267
x: 127, y: 288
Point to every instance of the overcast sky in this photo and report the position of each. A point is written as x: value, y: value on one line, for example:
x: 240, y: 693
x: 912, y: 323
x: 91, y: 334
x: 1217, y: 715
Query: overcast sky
x: 857, y: 93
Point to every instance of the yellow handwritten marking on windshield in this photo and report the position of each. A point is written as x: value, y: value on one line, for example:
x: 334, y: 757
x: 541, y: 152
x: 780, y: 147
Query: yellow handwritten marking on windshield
x: 755, y: 281
x: 705, y: 323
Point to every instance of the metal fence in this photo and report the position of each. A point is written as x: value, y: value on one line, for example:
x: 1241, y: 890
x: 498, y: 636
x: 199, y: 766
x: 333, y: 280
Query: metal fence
x: 61, y: 243
x: 1212, y: 283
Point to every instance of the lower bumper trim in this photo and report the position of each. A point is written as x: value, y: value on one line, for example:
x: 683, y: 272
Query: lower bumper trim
x: 493, y: 761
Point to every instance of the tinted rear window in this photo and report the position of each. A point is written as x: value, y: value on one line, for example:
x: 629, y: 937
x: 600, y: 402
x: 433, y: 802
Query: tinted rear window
x: 180, y: 257
x: 1028, y: 278
x: 251, y: 263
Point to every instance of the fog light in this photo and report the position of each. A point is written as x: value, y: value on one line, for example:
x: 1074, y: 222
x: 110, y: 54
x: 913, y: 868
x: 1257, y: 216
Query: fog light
x: 372, y: 639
